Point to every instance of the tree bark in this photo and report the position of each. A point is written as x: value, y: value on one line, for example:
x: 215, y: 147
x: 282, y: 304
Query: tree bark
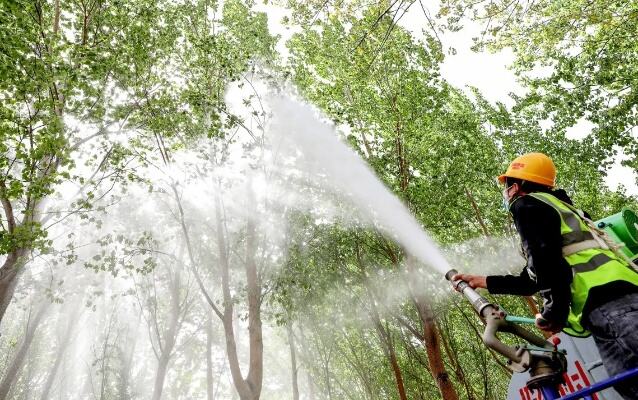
x: 384, y: 334
x: 431, y: 339
x: 18, y: 360
x: 454, y: 360
x: 477, y: 212
x: 253, y: 281
x: 160, y: 376
x: 293, y: 362
x: 56, y: 18
x: 210, y: 389
x: 389, y: 350
x: 47, y: 166
x: 170, y: 337
x: 249, y: 388
x: 9, y: 274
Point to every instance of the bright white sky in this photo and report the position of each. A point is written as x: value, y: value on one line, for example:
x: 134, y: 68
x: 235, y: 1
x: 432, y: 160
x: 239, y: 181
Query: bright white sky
x: 486, y: 71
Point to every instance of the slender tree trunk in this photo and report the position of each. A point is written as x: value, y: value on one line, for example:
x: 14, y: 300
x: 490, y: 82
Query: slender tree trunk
x: 293, y: 362
x: 16, y: 259
x: 253, y: 281
x: 9, y: 274
x: 160, y: 375
x: 249, y: 388
x: 454, y: 360
x: 10, y: 270
x: 170, y: 337
x: 105, y: 369
x: 210, y: 389
x: 359, y: 364
x: 125, y: 390
x: 477, y: 211
x: 243, y: 390
x: 311, y: 387
x: 402, y: 163
x: 59, y: 354
x: 18, y: 360
x: 384, y: 334
x: 244, y: 387
x: 433, y: 350
x: 431, y: 339
x: 56, y: 17
x: 388, y: 348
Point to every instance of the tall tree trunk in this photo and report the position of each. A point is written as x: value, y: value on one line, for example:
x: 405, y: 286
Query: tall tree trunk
x: 210, y: 388
x: 431, y: 339
x: 9, y: 274
x: 477, y: 211
x: 244, y: 387
x: 389, y: 350
x: 59, y: 354
x: 18, y: 360
x: 16, y: 259
x: 311, y: 387
x: 384, y: 334
x: 253, y: 281
x: 125, y: 390
x: 450, y: 350
x: 160, y: 376
x: 249, y: 388
x: 430, y: 330
x: 48, y: 166
x: 170, y: 337
x: 293, y: 362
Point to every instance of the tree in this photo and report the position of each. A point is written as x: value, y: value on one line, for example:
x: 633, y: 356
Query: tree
x: 164, y: 313
x: 64, y: 60
x: 86, y: 64
x: 576, y: 58
x: 389, y: 93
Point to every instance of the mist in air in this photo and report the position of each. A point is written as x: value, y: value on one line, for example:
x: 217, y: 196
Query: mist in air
x: 161, y: 293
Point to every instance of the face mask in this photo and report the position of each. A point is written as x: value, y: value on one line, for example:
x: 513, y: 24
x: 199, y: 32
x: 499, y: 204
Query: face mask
x: 506, y: 198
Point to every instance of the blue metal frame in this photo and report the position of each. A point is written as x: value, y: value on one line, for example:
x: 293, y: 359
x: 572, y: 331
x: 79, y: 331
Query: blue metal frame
x: 551, y: 393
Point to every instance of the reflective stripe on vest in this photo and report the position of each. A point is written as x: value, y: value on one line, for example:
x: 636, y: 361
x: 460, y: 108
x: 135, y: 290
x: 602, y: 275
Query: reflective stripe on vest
x: 591, y: 266
x: 573, y: 228
x: 593, y: 263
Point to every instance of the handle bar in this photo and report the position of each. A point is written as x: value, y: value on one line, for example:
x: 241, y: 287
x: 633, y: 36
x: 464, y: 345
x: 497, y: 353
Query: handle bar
x: 497, y: 321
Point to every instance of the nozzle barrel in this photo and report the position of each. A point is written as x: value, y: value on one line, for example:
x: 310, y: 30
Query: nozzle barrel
x: 479, y: 302
x: 450, y: 274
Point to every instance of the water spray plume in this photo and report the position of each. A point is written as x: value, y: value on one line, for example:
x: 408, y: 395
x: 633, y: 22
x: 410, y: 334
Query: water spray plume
x: 298, y: 128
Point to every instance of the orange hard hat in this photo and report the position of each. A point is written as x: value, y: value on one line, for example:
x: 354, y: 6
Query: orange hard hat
x: 532, y: 167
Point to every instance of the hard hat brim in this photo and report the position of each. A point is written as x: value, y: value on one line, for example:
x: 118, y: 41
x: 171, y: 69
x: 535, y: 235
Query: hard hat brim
x: 528, y: 177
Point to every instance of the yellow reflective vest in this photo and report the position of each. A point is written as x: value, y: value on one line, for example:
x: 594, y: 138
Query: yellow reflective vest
x: 591, y: 265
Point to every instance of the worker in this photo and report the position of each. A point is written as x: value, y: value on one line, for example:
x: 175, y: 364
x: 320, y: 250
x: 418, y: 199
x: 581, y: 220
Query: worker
x: 585, y: 288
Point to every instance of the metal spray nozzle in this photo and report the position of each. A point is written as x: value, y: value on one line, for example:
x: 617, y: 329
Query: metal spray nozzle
x: 450, y: 274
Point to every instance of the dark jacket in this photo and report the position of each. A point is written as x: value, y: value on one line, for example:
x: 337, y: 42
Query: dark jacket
x: 547, y: 272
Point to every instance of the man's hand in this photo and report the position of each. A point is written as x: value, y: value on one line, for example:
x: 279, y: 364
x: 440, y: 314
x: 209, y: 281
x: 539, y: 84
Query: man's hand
x: 475, y: 281
x: 547, y: 326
